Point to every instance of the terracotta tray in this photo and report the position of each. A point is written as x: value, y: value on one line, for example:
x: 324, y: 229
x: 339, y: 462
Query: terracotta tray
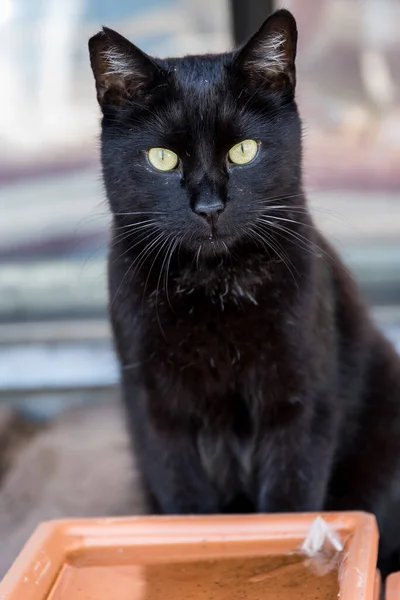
x: 378, y: 586
x: 224, y: 558
x: 392, y: 587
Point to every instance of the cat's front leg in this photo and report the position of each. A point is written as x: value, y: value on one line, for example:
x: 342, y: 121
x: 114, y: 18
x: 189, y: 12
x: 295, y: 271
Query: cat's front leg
x: 294, y: 462
x: 176, y: 479
x: 169, y: 460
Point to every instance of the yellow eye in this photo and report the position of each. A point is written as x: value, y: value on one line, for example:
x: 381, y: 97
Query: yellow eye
x: 244, y: 152
x: 162, y: 159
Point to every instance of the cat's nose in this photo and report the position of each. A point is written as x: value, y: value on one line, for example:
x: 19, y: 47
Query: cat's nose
x: 210, y: 211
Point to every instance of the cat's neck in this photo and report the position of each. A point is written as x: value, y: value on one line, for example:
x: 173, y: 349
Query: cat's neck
x: 237, y: 273
x: 238, y: 278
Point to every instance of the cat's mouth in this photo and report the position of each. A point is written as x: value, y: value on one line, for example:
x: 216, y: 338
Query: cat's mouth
x: 213, y: 244
x: 215, y: 238
x: 215, y: 234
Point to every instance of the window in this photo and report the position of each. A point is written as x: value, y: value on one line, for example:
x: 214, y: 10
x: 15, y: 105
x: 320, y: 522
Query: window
x: 53, y: 231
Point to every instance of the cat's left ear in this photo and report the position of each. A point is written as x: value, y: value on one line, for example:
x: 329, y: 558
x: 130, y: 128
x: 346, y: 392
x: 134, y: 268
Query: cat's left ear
x: 270, y: 54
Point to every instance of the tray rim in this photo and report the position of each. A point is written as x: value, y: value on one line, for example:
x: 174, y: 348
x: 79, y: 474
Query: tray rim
x: 39, y: 563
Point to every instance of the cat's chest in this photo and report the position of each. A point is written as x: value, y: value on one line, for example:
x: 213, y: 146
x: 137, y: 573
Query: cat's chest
x: 219, y: 366
x: 215, y: 335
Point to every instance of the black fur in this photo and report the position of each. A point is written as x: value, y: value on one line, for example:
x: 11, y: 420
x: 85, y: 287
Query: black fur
x: 253, y: 377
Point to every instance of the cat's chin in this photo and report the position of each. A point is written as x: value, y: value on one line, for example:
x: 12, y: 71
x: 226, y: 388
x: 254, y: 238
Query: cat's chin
x: 213, y: 246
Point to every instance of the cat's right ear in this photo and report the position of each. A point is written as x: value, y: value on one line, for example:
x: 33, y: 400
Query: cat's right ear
x: 269, y: 56
x: 121, y: 70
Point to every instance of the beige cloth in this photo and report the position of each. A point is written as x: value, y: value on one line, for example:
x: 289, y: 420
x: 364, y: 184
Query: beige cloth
x: 80, y: 466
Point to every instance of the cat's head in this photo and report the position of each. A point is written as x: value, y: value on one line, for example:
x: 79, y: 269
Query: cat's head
x: 200, y: 149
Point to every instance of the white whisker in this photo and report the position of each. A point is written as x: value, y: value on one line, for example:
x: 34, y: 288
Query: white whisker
x: 278, y: 250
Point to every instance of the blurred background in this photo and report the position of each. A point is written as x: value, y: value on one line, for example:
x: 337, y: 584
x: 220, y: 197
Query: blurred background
x: 55, y: 350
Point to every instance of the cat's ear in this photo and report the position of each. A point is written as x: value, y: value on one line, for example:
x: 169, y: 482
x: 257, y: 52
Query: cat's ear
x: 270, y: 54
x: 121, y: 70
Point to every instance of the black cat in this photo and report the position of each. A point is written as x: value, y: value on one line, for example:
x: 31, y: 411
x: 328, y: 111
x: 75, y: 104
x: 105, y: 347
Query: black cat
x: 253, y: 377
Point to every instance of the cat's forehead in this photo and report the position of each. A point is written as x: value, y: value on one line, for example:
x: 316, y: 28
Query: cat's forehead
x: 199, y: 73
x: 205, y: 103
x: 201, y: 95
